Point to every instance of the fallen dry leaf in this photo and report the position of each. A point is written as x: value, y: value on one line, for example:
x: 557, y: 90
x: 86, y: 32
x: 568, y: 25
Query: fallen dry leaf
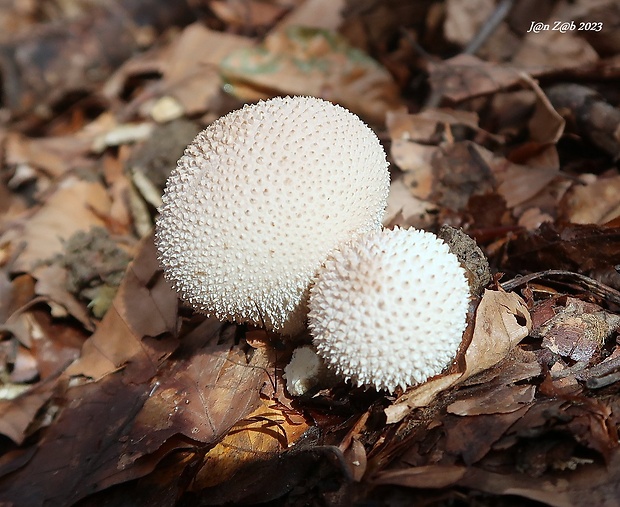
x: 518, y: 183
x: 415, y: 160
x: 51, y: 283
x: 18, y: 414
x: 145, y: 308
x: 593, y: 202
x: 465, y: 18
x: 546, y: 125
x: 464, y: 76
x: 75, y: 205
x: 575, y: 329
x: 592, y: 485
x: 472, y: 437
x: 136, y: 413
x: 191, y: 75
x: 501, y: 322
x: 201, y: 397
x: 422, y: 477
x: 105, y: 410
x: 52, y: 343
x: 325, y: 14
x: 553, y: 50
x: 251, y: 14
x: 404, y: 209
x: 608, y: 42
x: 263, y: 434
x: 307, y: 61
x: 420, y: 396
x: 42, y: 66
x: 498, y: 402
x: 587, y: 249
x: 165, y: 407
x: 53, y: 155
x: 423, y: 127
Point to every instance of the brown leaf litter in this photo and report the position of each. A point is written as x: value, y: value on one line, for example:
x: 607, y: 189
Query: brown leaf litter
x: 117, y: 393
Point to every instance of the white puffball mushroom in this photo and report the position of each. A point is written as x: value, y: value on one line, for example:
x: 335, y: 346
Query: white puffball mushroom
x: 303, y: 371
x: 259, y: 200
x: 390, y: 309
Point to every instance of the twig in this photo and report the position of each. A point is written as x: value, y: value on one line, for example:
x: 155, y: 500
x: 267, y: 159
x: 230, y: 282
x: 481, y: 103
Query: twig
x: 596, y: 287
x: 415, y: 44
x: 487, y: 29
x: 489, y: 26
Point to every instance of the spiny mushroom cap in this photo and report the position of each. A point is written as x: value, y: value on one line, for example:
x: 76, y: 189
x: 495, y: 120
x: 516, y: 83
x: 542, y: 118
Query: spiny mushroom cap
x: 259, y: 200
x: 389, y: 309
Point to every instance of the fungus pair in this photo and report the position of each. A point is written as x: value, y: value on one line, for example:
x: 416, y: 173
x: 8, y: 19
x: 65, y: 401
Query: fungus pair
x: 273, y: 215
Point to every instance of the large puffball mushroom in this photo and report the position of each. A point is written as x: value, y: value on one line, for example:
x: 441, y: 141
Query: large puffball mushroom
x: 389, y: 309
x: 259, y: 200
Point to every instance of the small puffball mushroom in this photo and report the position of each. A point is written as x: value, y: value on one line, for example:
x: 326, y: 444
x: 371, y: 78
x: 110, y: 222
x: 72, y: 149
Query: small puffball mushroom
x: 259, y: 200
x: 389, y: 309
x: 303, y: 371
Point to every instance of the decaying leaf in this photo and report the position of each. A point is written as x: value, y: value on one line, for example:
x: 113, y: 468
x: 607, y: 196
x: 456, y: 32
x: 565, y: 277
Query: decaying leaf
x: 470, y: 437
x: 551, y: 49
x: 576, y: 329
x: 466, y: 76
x: 119, y: 337
x: 52, y: 283
x: 590, y: 485
x: 596, y: 201
x: 422, y: 477
x: 54, y: 155
x: 587, y: 249
x: 546, y: 124
x: 201, y: 397
x: 326, y: 14
x: 588, y: 115
x: 420, y: 396
x: 502, y: 402
x: 307, y: 61
x: 18, y: 414
x: 76, y: 205
x: 133, y: 423
x: 156, y: 405
x: 501, y: 322
x: 464, y: 19
x: 264, y: 434
x: 190, y: 74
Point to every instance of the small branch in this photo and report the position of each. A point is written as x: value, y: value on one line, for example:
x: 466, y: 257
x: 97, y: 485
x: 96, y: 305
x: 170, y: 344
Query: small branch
x: 596, y: 287
x: 489, y: 26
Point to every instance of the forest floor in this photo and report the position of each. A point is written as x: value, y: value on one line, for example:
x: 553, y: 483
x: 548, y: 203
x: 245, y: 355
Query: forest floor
x: 499, y: 117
